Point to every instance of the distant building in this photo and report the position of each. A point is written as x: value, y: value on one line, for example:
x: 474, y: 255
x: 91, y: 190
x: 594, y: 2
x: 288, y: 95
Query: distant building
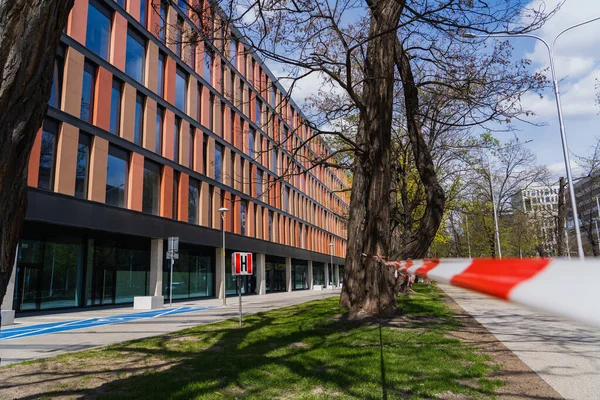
x: 540, y: 203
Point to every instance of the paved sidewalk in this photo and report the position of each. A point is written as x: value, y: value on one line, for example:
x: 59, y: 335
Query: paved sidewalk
x: 565, y: 355
x: 52, y: 344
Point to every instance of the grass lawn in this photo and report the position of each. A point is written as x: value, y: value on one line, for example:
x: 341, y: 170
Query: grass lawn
x: 303, y: 352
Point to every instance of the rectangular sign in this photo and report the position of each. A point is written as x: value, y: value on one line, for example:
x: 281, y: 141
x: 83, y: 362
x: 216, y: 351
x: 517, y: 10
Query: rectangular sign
x: 241, y: 264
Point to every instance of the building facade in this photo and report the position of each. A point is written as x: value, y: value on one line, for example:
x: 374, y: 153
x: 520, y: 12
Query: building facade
x: 146, y: 137
x: 540, y: 204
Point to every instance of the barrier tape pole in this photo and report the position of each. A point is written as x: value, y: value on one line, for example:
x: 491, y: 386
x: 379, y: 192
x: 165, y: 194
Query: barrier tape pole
x: 570, y: 289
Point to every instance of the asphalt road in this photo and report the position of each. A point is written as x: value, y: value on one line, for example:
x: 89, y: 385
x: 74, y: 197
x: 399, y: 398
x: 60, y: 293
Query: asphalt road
x: 565, y: 355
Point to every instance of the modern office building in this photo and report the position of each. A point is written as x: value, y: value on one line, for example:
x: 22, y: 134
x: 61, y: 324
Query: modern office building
x: 146, y: 137
x: 540, y: 204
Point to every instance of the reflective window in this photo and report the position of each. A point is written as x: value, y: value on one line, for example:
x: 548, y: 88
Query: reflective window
x: 175, y: 204
x: 143, y: 12
x: 151, y: 192
x: 251, y: 143
x: 140, y: 101
x: 192, y: 62
x: 83, y: 164
x: 179, y: 37
x: 243, y: 215
x: 135, y: 55
x: 47, y: 155
x: 286, y: 199
x: 176, y: 133
x: 218, y: 162
x: 208, y: 62
x: 163, y: 21
x: 116, y: 176
x: 121, y: 3
x: 193, y: 201
x: 192, y: 137
x: 57, y: 78
x: 205, y: 154
x: 97, y: 36
x: 199, y: 103
x: 211, y: 110
x: 270, y: 225
x: 273, y: 93
x: 63, y: 259
x: 87, y: 91
x: 233, y: 52
x: 115, y: 106
x: 259, y: 178
x: 160, y: 114
x: 181, y: 79
x: 211, y: 192
x: 193, y: 276
x: 258, y: 111
x: 161, y: 74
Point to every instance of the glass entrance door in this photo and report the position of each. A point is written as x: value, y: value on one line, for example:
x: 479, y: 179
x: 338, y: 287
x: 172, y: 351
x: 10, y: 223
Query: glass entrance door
x: 27, y: 293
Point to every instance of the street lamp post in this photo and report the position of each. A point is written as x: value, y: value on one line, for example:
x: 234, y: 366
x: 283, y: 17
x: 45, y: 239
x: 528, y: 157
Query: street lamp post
x: 223, y: 210
x: 563, y: 136
x: 331, y: 264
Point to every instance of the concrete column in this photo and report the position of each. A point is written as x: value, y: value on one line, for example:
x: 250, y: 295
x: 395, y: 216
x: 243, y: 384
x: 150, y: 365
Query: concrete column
x: 336, y: 275
x: 220, y: 273
x: 156, y: 267
x: 261, y: 287
x: 288, y: 273
x: 310, y: 275
x: 326, y: 275
x: 7, y: 307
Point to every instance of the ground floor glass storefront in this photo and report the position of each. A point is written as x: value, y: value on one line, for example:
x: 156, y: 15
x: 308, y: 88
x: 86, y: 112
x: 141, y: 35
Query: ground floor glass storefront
x: 318, y: 273
x: 299, y: 274
x: 275, y: 274
x: 193, y: 273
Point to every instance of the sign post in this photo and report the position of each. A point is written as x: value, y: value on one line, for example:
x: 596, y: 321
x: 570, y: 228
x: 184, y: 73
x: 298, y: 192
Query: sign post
x: 241, y: 264
x: 172, y: 254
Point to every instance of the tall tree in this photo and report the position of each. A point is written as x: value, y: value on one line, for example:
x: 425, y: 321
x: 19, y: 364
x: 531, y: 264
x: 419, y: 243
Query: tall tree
x: 29, y: 35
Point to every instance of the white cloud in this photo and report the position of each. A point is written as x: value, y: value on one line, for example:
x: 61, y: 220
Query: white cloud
x: 558, y: 169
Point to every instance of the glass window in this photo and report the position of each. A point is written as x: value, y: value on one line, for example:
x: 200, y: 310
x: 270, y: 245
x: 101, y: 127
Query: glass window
x: 274, y: 159
x: 273, y: 93
x: 231, y: 168
x: 258, y: 111
x: 259, y: 178
x: 218, y: 162
x: 181, y: 79
x: 233, y: 52
x: 143, y: 12
x: 97, y: 36
x: 115, y: 106
x: 151, y: 192
x: 121, y: 3
x: 163, y: 21
x: 63, y: 261
x: 211, y: 109
x: 243, y: 213
x: 116, y: 176
x: 211, y: 192
x: 135, y: 55
x: 160, y: 115
x: 83, y: 163
x: 57, y: 78
x: 176, y: 133
x: 47, y: 155
x: 205, y: 154
x: 161, y: 73
x: 193, y: 197
x: 199, y: 103
x: 270, y: 226
x: 179, y: 37
x: 286, y: 198
x: 140, y: 101
x: 251, y: 136
x: 192, y: 137
x: 208, y: 62
x: 87, y: 91
x: 175, y: 205
x: 192, y: 62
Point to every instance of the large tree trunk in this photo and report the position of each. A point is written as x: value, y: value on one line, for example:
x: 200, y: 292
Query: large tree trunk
x: 29, y: 34
x: 367, y: 287
x: 434, y: 193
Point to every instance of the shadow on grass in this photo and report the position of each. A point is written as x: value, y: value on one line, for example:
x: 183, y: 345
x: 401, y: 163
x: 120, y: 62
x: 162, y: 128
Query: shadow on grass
x: 306, y: 351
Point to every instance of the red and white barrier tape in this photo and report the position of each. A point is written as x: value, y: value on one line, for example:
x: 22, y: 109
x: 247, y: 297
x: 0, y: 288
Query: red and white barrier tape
x: 570, y: 289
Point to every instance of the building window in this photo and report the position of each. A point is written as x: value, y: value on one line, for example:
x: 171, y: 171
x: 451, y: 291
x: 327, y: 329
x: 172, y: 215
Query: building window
x: 251, y: 136
x: 218, y: 162
x: 199, y: 103
x: 87, y: 91
x: 286, y: 198
x: 143, y: 12
x: 181, y: 79
x: 176, y: 133
x: 160, y: 115
x: 179, y: 37
x: 175, y: 205
x: 161, y: 73
x: 163, y: 21
x: 273, y: 94
x: 258, y: 111
x: 48, y: 155
x: 83, y: 162
x: 116, y: 176
x: 115, y: 106
x: 233, y: 52
x: 205, y: 154
x: 193, y: 197
x: 97, y: 36
x: 151, y: 191
x: 135, y: 55
x: 208, y: 62
x: 211, y: 109
x: 270, y: 226
x: 231, y: 169
x: 192, y: 137
x: 192, y: 62
x: 274, y: 159
x: 57, y: 78
x: 243, y: 215
x: 211, y: 192
x: 259, y: 178
x: 140, y: 101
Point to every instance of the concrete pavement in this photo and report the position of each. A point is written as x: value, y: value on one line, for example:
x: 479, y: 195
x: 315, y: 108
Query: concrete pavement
x: 565, y: 355
x: 52, y: 344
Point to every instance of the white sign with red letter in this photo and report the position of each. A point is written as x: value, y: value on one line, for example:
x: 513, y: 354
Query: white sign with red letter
x: 241, y: 264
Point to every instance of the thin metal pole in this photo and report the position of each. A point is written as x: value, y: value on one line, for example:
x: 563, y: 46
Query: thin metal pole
x: 239, y: 283
x: 171, y: 284
x: 223, y: 261
x: 494, y: 209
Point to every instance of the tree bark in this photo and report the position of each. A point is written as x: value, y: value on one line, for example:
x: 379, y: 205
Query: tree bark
x: 434, y: 193
x: 367, y: 286
x: 29, y: 35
